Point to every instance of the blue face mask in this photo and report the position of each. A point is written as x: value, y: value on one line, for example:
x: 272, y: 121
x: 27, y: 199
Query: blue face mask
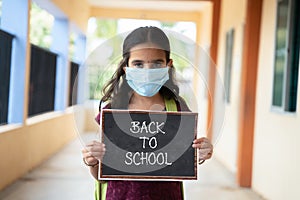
x: 146, y: 82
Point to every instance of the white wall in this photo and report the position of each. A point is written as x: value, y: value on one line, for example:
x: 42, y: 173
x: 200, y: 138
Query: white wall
x: 276, y: 144
x: 232, y: 16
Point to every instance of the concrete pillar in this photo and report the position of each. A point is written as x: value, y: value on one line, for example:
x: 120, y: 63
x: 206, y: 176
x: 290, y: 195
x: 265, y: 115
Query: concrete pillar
x: 80, y: 58
x: 15, y: 20
x: 60, y: 45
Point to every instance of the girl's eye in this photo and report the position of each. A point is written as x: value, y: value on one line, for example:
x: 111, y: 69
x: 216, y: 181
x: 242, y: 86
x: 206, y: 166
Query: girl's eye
x: 157, y: 65
x: 138, y: 65
x: 150, y: 65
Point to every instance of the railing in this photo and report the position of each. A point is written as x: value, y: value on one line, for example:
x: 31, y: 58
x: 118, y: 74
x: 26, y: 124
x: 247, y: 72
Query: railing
x: 5, y: 65
x: 42, y: 81
x: 73, y: 84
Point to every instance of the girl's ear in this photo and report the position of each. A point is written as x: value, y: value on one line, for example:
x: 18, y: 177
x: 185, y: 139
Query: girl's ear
x: 170, y: 63
x: 124, y: 68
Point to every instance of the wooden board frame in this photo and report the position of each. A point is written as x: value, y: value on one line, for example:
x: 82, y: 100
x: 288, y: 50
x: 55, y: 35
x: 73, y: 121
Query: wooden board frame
x: 147, y: 176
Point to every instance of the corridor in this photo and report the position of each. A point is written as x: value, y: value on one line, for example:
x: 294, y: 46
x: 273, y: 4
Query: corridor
x: 64, y: 176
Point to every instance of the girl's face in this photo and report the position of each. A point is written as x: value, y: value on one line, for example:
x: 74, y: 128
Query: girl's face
x: 147, y: 56
x: 147, y: 69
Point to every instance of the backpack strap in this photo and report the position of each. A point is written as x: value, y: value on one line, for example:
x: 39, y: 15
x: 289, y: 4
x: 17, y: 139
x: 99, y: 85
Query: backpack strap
x: 170, y: 104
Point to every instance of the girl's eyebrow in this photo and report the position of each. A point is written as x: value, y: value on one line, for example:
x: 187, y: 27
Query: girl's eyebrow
x: 158, y: 60
x: 137, y: 61
x: 152, y: 61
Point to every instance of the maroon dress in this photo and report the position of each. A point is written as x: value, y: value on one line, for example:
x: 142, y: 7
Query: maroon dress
x: 144, y: 190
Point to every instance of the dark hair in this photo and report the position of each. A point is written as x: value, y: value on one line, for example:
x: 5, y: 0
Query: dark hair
x: 117, y: 90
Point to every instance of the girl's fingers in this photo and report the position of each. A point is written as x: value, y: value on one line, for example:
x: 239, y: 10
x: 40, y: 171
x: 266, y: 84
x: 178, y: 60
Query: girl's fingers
x: 91, y: 160
x: 204, y: 146
x: 200, y: 140
x: 87, y: 155
x: 204, y: 154
x: 93, y: 152
x: 94, y: 142
x: 95, y: 146
x: 98, y: 156
x: 202, y: 143
x: 96, y: 149
x: 92, y: 157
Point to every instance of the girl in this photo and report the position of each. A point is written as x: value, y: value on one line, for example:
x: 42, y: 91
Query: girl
x: 144, y: 80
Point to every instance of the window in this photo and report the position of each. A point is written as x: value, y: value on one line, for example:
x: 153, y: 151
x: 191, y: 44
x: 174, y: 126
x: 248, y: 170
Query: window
x: 42, y: 81
x: 286, y: 63
x: 73, y: 84
x: 5, y: 61
x: 228, y: 63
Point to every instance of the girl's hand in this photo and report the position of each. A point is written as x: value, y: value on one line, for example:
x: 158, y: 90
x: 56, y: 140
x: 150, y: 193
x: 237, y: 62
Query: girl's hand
x: 205, y: 148
x: 93, y: 152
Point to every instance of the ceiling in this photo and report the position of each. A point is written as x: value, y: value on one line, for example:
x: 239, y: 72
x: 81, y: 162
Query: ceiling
x: 151, y: 4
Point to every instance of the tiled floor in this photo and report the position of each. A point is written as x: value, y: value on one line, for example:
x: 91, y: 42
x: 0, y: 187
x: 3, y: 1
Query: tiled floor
x: 216, y: 183
x: 64, y: 177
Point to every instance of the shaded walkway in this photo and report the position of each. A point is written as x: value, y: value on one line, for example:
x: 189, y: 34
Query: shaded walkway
x: 65, y: 177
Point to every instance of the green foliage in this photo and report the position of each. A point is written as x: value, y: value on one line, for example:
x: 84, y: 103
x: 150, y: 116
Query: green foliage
x: 72, y: 46
x: 168, y: 24
x: 100, y: 71
x: 180, y: 51
x: 180, y: 62
x: 40, y: 26
x: 97, y: 81
x: 106, y: 28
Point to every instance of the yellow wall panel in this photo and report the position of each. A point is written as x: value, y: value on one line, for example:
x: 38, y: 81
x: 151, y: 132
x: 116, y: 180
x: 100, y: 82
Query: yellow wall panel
x: 144, y: 14
x: 76, y: 10
x: 25, y: 147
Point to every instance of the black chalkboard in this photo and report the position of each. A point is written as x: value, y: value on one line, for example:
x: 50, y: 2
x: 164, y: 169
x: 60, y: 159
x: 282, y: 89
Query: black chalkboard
x: 148, y: 145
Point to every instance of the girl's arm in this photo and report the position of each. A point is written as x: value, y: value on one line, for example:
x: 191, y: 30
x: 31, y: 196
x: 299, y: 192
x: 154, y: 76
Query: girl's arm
x: 92, y: 155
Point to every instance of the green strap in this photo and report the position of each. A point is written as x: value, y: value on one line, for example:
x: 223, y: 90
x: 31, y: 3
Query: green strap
x: 170, y: 104
x: 101, y: 188
x: 97, y: 190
